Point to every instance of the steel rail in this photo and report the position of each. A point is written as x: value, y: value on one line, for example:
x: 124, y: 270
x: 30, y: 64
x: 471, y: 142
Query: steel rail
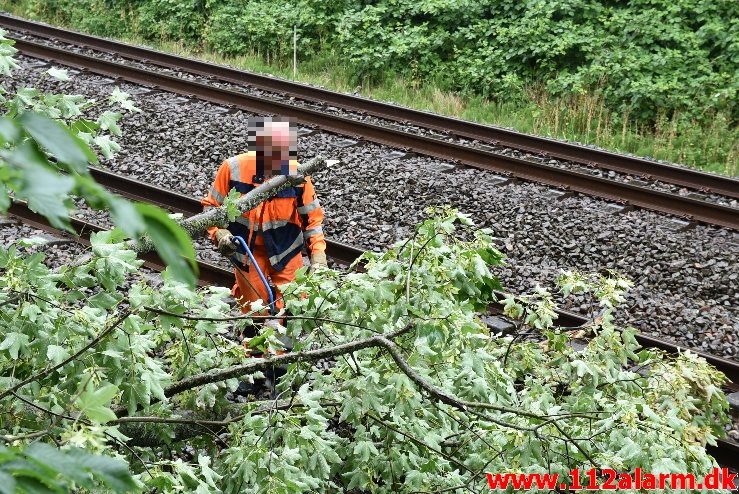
x: 672, y: 174
x: 536, y: 172
x: 725, y: 452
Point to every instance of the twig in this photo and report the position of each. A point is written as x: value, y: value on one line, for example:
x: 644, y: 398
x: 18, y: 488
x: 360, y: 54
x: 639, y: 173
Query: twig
x: 419, y: 442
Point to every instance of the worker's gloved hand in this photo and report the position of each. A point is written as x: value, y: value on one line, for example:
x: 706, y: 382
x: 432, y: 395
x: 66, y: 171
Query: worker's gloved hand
x: 318, y: 261
x: 295, y: 180
x: 224, y: 241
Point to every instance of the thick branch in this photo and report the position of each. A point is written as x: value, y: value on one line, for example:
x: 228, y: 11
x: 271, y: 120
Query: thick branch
x: 258, y: 364
x: 197, y: 224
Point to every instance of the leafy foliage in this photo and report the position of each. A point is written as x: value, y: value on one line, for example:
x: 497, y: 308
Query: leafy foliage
x: 433, y: 404
x: 44, y: 468
x: 46, y: 144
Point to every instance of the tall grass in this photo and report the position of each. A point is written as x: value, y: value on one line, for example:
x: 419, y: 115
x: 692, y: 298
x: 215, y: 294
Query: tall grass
x: 711, y: 145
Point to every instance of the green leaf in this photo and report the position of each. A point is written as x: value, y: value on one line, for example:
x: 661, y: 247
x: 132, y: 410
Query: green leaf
x: 113, y: 472
x: 58, y: 74
x: 7, y: 64
x: 109, y: 121
x: 104, y: 300
x: 13, y: 342
x: 26, y: 95
x: 59, y: 141
x: 84, y: 125
x: 9, y: 131
x: 7, y: 483
x: 61, y: 461
x: 70, y: 105
x: 56, y: 354
x: 35, y: 485
x: 127, y: 217
x: 118, y: 96
x: 94, y: 403
x: 47, y: 193
x: 81, y: 467
x: 172, y: 243
x: 229, y: 202
x: 107, y: 146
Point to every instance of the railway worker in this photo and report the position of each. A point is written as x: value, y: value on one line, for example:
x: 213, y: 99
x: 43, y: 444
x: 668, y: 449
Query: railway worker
x: 278, y: 228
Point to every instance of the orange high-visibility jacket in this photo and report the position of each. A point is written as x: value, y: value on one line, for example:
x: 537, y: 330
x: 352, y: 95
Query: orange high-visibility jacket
x: 283, y: 223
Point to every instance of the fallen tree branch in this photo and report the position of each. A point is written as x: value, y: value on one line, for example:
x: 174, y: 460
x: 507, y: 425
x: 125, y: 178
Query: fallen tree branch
x: 258, y: 364
x: 197, y: 224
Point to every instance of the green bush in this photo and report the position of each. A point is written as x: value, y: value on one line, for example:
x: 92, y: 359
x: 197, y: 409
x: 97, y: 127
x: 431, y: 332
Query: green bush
x: 259, y: 27
x: 104, y: 17
x: 172, y: 19
x: 645, y: 56
x: 266, y: 27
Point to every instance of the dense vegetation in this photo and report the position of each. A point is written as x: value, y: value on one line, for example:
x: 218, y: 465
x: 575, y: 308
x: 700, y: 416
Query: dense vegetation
x: 419, y: 397
x: 591, y: 68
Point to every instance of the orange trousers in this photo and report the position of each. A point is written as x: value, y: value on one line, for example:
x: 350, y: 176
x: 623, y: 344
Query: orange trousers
x: 249, y: 287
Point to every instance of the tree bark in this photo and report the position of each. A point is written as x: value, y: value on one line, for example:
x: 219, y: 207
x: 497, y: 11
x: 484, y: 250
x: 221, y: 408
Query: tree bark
x: 257, y: 364
x: 198, y: 224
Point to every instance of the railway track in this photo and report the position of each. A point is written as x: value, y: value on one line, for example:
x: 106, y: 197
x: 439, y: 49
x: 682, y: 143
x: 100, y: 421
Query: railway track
x: 726, y: 452
x: 612, y: 161
x: 570, y: 179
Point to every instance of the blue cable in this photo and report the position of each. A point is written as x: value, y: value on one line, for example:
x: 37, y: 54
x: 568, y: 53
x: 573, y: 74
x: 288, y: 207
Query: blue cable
x: 240, y: 242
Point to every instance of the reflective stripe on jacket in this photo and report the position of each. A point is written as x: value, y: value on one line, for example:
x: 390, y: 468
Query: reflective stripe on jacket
x: 287, y: 221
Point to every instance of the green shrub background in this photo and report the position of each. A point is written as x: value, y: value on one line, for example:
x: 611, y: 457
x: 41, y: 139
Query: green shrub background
x: 669, y: 65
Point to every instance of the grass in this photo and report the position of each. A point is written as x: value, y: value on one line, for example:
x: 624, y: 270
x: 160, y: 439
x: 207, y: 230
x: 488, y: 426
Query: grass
x: 712, y: 145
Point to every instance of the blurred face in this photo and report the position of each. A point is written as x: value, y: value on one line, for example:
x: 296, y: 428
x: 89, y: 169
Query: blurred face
x: 273, y: 144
